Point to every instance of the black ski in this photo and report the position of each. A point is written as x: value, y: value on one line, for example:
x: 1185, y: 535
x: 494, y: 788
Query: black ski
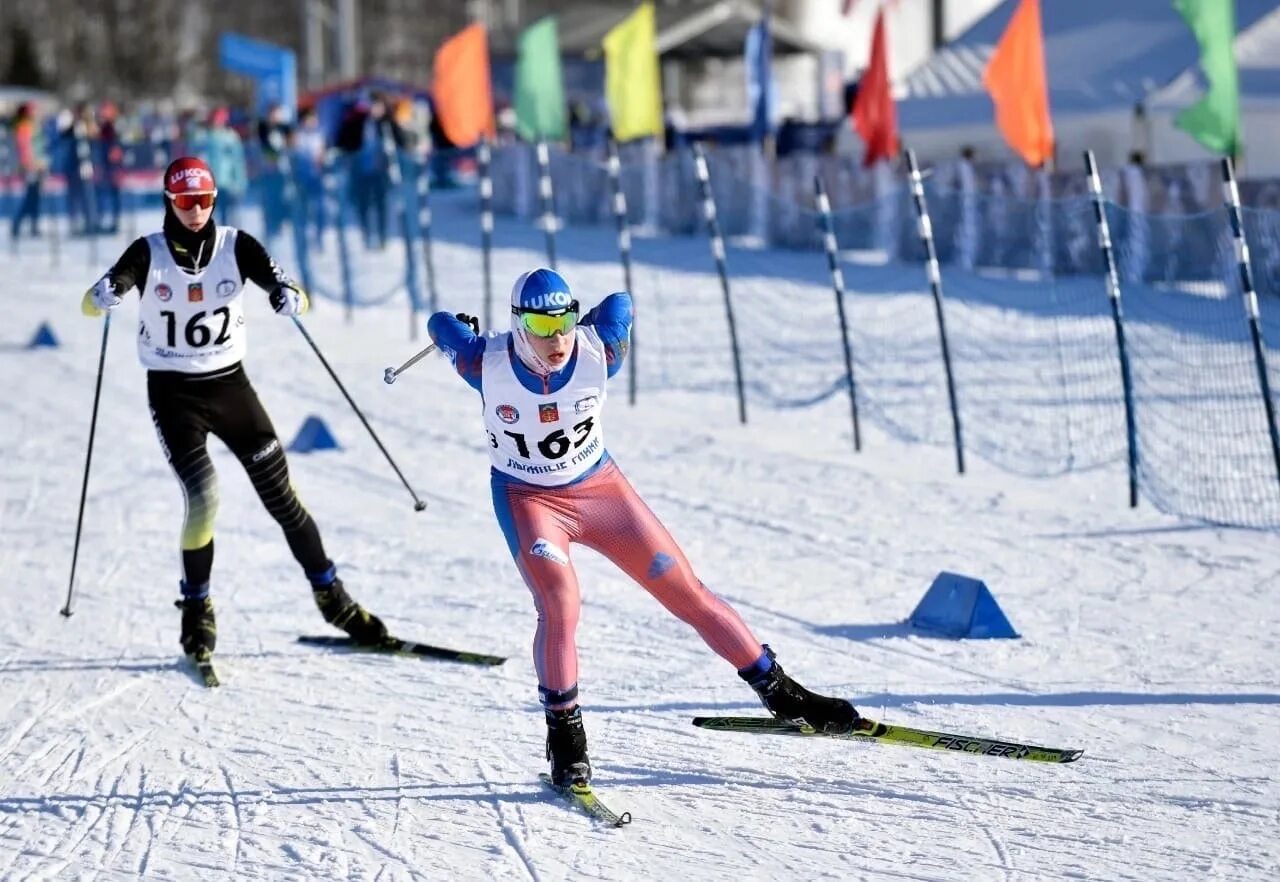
x: 870, y: 730
x: 582, y: 796
x: 396, y: 646
x: 203, y: 664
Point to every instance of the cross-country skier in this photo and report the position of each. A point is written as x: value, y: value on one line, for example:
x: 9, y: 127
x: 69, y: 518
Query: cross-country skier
x: 191, y: 340
x: 554, y: 484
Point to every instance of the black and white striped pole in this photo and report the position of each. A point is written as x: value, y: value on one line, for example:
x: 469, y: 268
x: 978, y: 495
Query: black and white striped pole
x: 1232, y: 192
x: 935, y: 286
x: 486, y: 228
x: 624, y: 251
x: 837, y: 284
x: 717, y: 250
x: 424, y: 223
x: 548, y: 201
x: 1117, y: 317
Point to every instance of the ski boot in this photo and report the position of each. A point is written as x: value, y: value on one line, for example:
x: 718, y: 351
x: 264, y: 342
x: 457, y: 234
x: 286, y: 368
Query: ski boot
x: 341, y: 611
x: 567, y: 747
x: 788, y: 700
x: 199, y: 629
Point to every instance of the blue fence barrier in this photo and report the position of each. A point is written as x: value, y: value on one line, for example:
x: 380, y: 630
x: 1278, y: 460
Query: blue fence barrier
x: 1032, y: 337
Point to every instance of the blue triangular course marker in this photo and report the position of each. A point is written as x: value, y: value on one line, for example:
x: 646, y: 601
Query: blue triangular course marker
x: 43, y: 337
x: 959, y: 606
x: 314, y: 435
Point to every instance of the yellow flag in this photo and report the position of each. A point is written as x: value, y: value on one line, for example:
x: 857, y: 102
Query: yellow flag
x: 632, y: 83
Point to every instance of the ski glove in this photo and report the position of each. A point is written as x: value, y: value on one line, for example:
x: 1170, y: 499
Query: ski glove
x: 100, y: 298
x: 469, y: 320
x: 288, y: 300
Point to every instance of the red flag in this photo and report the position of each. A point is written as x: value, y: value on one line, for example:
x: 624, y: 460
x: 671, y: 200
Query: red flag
x: 1016, y: 79
x: 874, y: 116
x: 461, y: 87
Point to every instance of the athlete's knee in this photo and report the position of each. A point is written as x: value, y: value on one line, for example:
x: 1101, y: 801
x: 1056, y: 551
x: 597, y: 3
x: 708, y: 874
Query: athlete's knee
x: 558, y: 602
x: 560, y: 610
x: 687, y: 598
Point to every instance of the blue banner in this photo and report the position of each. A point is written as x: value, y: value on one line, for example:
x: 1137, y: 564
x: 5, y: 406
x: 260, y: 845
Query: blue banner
x: 273, y: 69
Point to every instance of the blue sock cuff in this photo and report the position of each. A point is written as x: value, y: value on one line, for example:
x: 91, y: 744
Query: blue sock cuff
x: 758, y: 669
x: 324, y: 578
x: 558, y: 697
x: 194, y: 592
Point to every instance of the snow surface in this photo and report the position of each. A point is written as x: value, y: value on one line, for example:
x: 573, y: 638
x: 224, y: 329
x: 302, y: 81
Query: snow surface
x: 1148, y: 642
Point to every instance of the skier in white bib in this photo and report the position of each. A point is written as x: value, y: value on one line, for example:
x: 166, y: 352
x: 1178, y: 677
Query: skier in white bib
x: 191, y: 340
x: 543, y: 387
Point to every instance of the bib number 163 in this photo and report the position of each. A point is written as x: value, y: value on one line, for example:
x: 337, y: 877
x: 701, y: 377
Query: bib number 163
x: 555, y: 445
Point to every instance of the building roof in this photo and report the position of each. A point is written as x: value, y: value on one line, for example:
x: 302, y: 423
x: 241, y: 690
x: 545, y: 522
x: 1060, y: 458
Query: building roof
x: 694, y: 30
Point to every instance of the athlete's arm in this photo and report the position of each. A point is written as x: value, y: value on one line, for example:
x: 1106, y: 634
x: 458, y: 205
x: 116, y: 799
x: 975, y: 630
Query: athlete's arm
x: 256, y: 264
x: 463, y: 346
x: 612, y: 319
x: 132, y: 267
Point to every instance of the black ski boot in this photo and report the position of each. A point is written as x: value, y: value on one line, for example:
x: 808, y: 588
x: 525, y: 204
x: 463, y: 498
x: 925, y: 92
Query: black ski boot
x: 788, y: 700
x: 199, y: 629
x: 341, y: 611
x: 567, y: 747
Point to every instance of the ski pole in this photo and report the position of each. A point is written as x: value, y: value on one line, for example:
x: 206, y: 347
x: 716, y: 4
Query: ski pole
x: 418, y: 504
x: 88, y: 457
x: 390, y: 374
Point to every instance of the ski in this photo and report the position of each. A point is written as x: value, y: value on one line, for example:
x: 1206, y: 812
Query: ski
x: 586, y: 799
x: 396, y: 646
x: 203, y: 664
x: 870, y: 730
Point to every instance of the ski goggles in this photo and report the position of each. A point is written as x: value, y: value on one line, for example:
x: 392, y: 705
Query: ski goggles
x: 544, y: 324
x: 188, y: 201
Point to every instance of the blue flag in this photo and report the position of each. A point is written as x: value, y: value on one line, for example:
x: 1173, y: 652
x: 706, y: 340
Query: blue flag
x: 762, y: 94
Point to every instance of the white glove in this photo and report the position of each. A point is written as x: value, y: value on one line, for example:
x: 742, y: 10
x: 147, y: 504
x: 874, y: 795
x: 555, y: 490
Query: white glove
x: 288, y: 300
x: 103, y: 294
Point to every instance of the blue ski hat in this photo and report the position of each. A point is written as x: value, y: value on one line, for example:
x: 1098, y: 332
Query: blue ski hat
x: 541, y: 290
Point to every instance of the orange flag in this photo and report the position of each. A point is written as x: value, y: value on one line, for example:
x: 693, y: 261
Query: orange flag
x: 874, y: 115
x: 1019, y: 88
x: 461, y: 87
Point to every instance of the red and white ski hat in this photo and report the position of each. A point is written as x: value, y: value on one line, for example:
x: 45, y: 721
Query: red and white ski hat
x: 189, y: 174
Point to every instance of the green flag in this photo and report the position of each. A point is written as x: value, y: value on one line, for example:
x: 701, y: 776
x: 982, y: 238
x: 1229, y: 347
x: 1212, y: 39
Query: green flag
x: 539, y: 99
x: 1215, y: 120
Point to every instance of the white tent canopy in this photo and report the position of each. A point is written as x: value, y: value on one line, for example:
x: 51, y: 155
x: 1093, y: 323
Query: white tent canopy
x: 1104, y: 58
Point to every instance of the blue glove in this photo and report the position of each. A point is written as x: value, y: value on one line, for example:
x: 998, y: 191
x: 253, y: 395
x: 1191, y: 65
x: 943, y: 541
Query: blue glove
x: 288, y: 300
x: 469, y: 320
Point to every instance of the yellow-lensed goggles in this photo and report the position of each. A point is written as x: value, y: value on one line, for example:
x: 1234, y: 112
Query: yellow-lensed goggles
x: 542, y: 324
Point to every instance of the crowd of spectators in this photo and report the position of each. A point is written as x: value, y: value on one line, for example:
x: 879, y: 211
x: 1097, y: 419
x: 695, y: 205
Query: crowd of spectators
x: 87, y: 153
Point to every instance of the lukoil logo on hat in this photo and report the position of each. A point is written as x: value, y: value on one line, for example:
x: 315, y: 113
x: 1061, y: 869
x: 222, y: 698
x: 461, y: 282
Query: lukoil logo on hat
x: 189, y: 175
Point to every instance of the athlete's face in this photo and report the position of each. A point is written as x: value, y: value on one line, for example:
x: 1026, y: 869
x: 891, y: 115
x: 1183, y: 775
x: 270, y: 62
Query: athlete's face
x: 556, y: 350
x: 193, y: 218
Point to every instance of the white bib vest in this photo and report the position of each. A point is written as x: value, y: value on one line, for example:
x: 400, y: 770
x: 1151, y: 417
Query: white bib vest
x: 192, y: 322
x: 551, y: 439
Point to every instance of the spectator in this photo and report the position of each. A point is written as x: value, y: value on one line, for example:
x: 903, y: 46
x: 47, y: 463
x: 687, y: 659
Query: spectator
x: 307, y: 158
x: 76, y: 130
x: 371, y: 172
x: 220, y: 146
x: 273, y: 137
x: 108, y: 158
x: 31, y: 164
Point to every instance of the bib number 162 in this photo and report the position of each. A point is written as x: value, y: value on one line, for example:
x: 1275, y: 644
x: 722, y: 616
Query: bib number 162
x: 197, y: 333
